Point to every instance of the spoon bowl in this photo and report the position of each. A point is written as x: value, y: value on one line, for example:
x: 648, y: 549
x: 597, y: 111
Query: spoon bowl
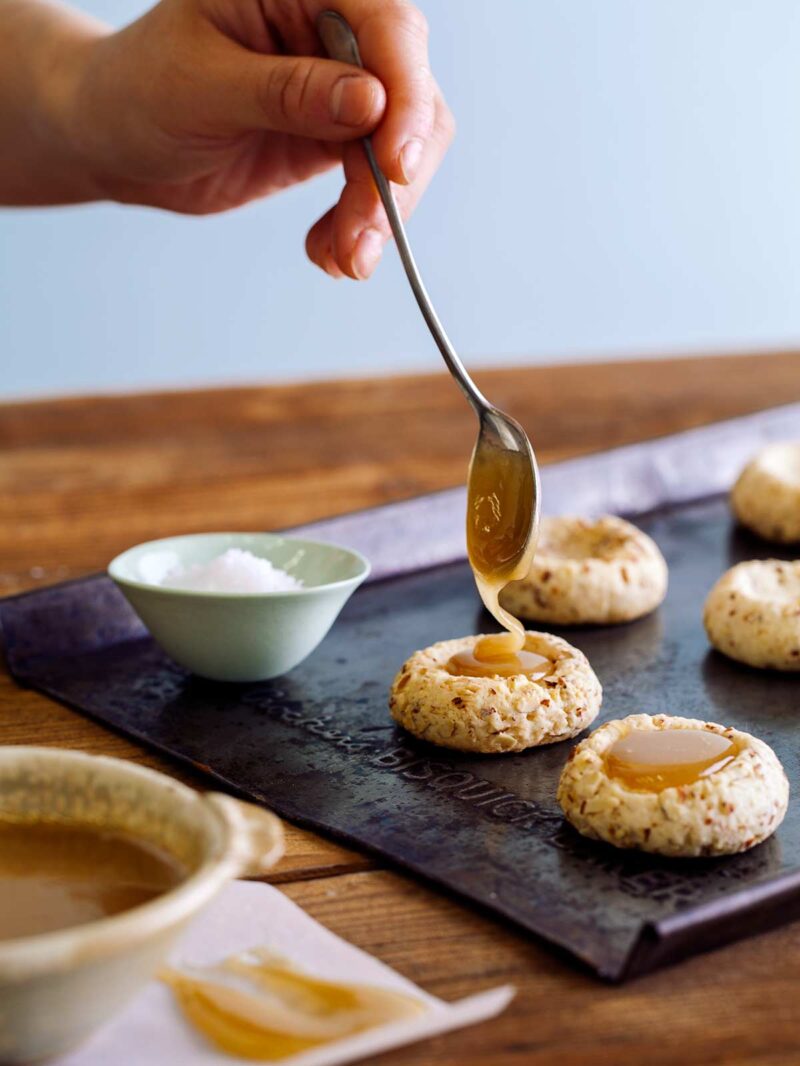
x: 504, y: 497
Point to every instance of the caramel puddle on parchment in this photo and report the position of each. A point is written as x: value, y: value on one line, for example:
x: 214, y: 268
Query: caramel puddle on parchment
x: 259, y: 1006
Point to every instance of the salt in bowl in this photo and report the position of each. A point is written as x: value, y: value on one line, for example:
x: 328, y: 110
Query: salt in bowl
x: 239, y: 636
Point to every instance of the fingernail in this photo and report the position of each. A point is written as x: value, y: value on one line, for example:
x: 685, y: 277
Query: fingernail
x: 410, y: 159
x: 368, y: 251
x: 352, y: 100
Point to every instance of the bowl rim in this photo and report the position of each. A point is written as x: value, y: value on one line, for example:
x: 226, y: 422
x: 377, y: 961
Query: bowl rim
x: 24, y: 957
x: 165, y: 590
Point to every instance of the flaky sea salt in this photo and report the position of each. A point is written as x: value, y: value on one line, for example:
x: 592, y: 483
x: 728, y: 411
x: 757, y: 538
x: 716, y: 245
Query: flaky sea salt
x: 233, y: 571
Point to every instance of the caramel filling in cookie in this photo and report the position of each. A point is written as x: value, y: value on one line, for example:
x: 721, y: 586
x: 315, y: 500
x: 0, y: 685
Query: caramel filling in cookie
x: 649, y: 760
x: 491, y: 658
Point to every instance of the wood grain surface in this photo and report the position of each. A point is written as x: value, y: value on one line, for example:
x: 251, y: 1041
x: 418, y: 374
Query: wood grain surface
x: 83, y: 478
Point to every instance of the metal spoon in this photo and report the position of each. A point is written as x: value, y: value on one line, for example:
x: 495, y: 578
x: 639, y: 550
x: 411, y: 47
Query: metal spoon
x: 498, y: 432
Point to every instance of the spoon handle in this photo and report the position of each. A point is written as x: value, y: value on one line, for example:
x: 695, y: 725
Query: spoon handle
x: 340, y: 43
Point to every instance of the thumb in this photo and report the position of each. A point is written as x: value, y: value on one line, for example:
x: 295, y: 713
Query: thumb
x: 301, y: 95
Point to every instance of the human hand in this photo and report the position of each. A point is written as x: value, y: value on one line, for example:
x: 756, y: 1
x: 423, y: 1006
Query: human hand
x: 203, y: 105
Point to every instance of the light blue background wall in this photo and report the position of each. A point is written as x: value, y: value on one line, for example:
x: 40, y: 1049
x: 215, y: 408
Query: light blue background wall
x: 626, y: 178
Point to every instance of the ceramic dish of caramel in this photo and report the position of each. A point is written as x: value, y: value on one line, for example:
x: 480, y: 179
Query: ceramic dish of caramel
x: 102, y: 863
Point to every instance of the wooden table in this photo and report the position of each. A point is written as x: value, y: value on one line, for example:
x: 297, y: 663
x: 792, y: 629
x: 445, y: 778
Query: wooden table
x: 81, y: 479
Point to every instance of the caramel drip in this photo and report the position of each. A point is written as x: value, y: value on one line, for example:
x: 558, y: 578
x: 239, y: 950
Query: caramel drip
x: 500, y: 503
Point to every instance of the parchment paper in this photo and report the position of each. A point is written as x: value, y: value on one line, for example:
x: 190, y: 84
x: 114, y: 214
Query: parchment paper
x: 152, y: 1032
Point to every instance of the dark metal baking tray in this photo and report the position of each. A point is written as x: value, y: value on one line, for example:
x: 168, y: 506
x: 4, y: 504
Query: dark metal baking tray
x: 319, y: 748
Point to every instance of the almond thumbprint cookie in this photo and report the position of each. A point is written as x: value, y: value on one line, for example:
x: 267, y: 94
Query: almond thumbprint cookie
x: 439, y: 696
x: 674, y: 786
x: 766, y: 496
x: 589, y: 571
x: 752, y: 614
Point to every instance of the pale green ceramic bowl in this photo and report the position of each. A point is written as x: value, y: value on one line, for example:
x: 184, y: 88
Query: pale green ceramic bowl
x: 239, y: 636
